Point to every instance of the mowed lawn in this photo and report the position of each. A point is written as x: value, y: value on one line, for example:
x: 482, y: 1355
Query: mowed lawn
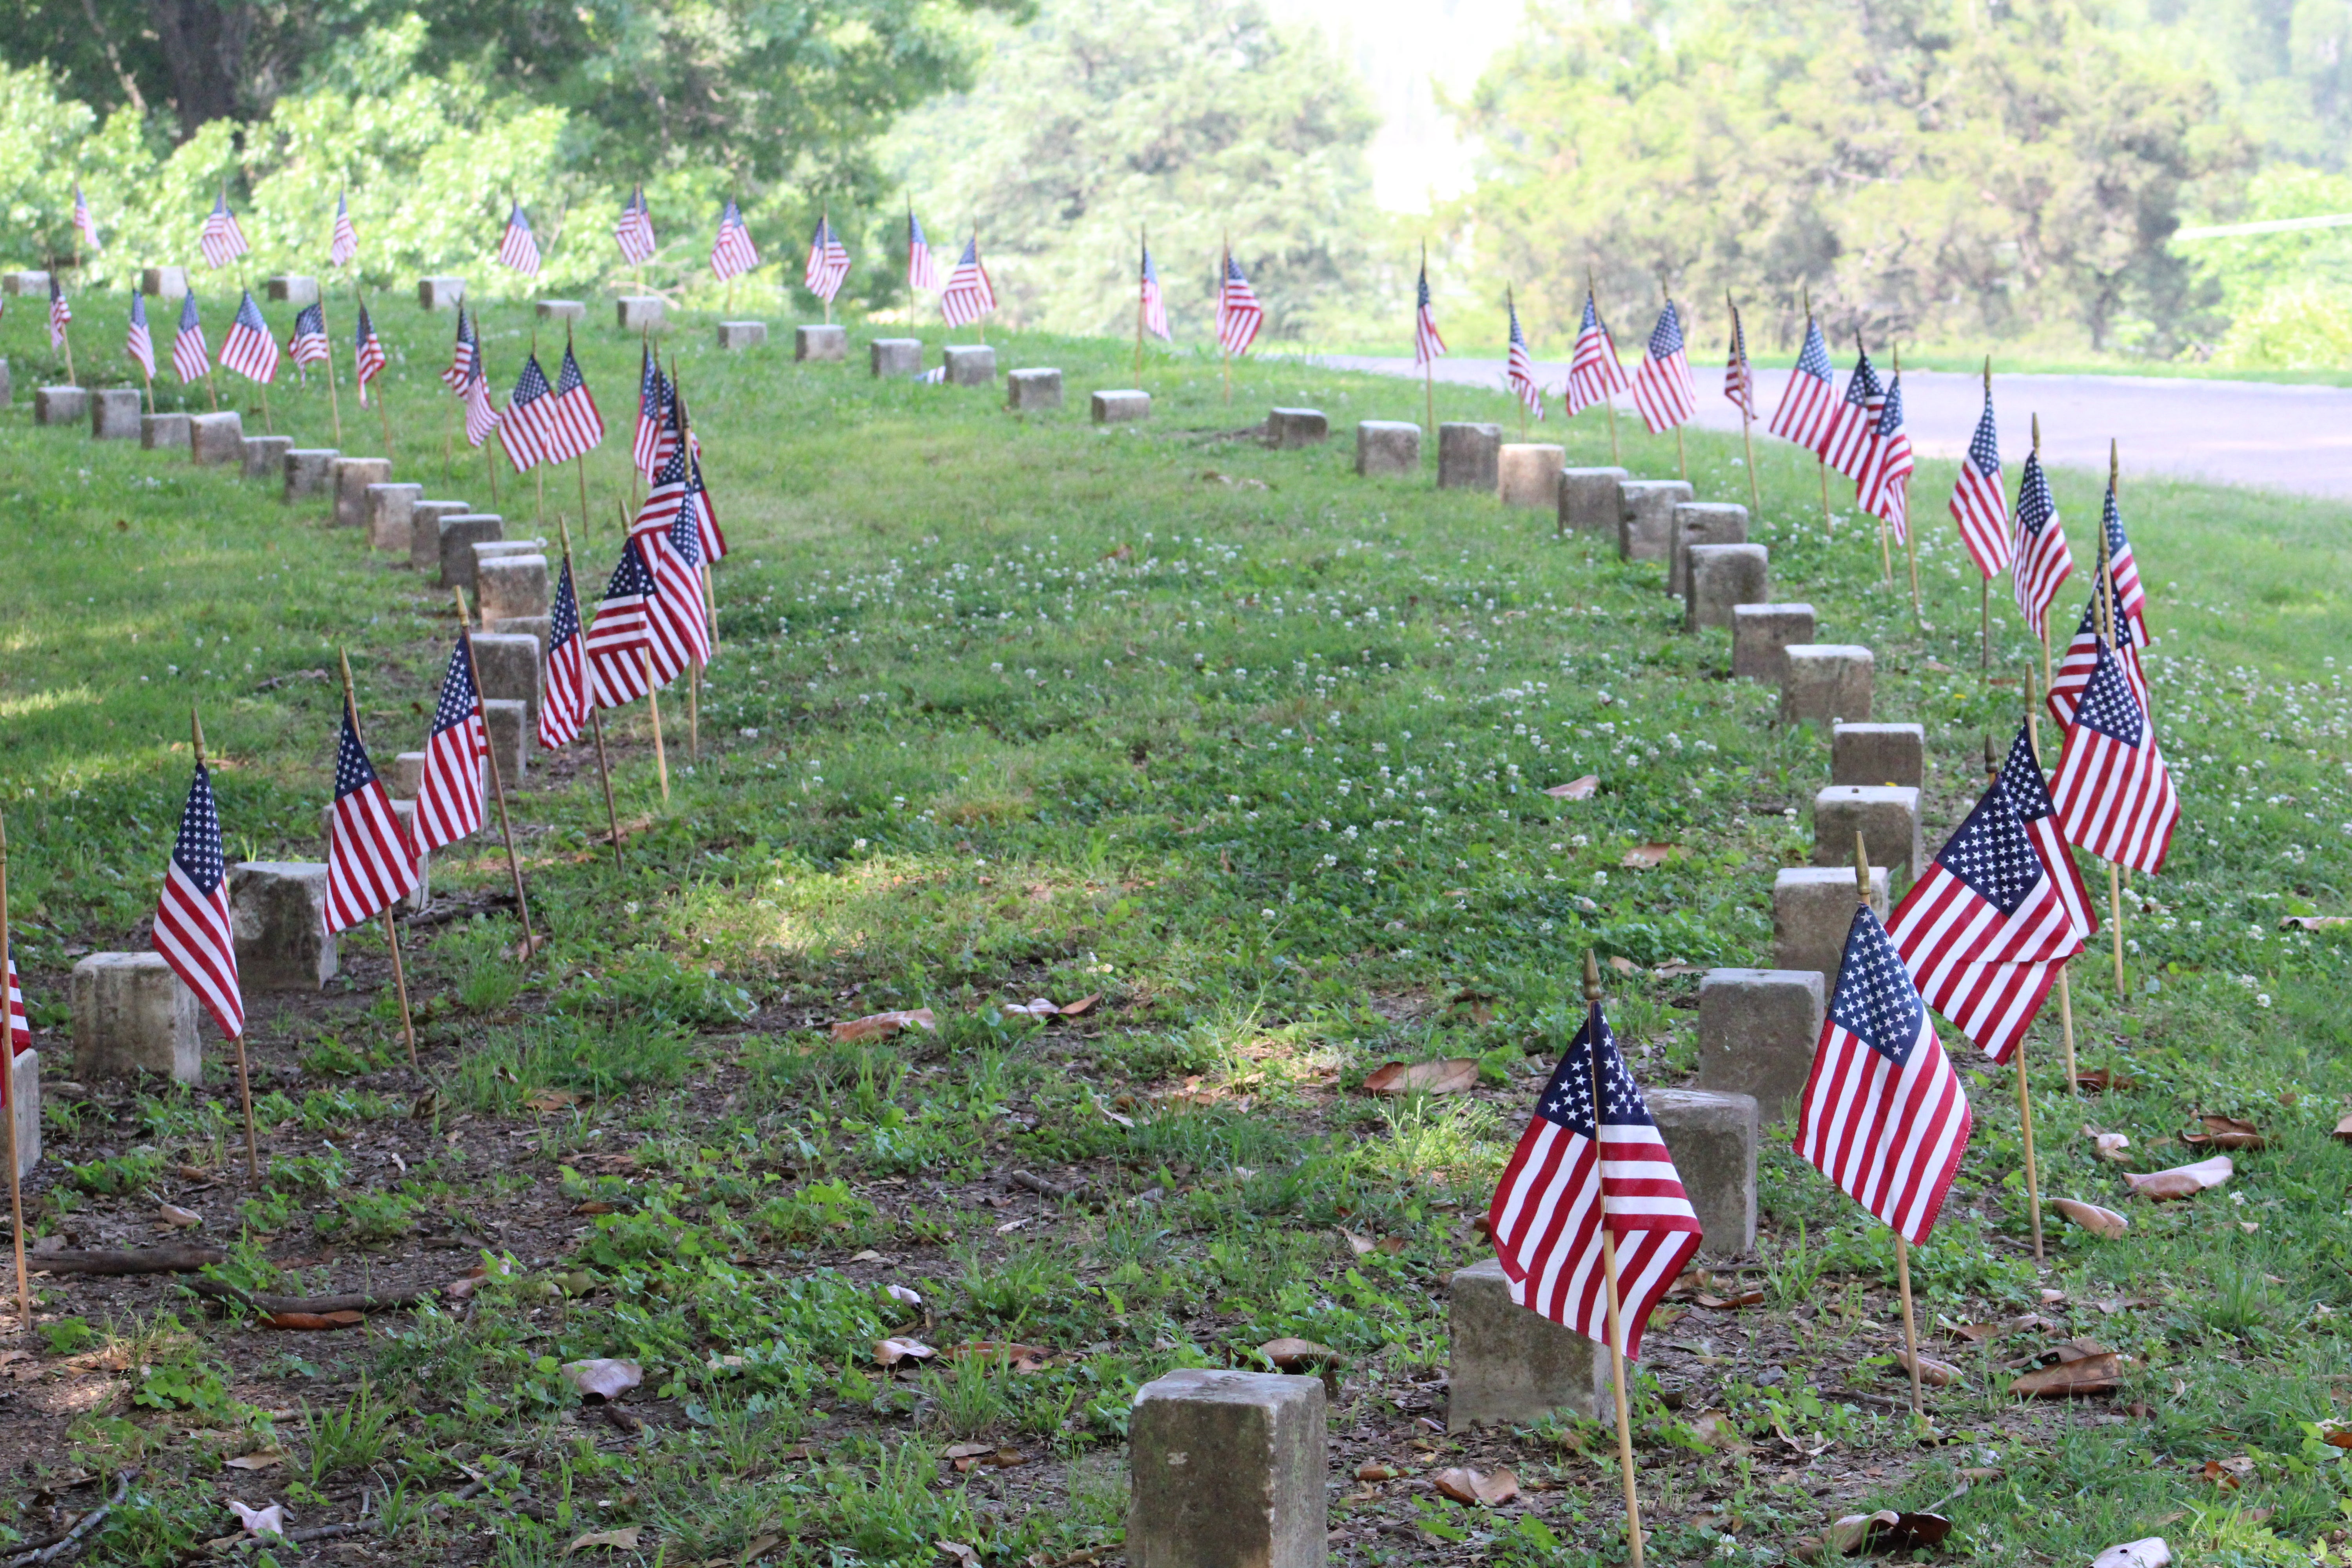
x: 1253, y: 753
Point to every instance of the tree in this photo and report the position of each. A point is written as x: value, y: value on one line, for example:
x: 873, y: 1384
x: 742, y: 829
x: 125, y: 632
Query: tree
x: 1190, y: 119
x: 1916, y: 176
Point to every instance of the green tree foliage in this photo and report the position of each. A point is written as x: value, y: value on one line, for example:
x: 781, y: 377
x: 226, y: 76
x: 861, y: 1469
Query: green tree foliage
x: 1190, y: 119
x: 1922, y: 170
x: 2288, y: 296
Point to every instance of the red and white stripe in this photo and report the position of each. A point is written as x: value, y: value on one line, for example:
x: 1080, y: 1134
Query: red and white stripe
x: 519, y: 248
x: 733, y: 253
x: 1808, y: 403
x: 449, y: 799
x: 345, y: 243
x: 370, y: 864
x: 2115, y: 798
x: 192, y: 922
x: 828, y: 262
x: 1239, y: 315
x: 1883, y: 486
x: 2081, y: 657
x: 192, y: 357
x: 635, y: 231
x: 367, y: 355
x: 138, y: 344
x: 1595, y: 375
x: 221, y: 241
x: 563, y: 701
x: 969, y: 295
x: 20, y: 1027
x: 1663, y: 392
x: 1994, y: 1004
x: 482, y: 414
x: 248, y: 349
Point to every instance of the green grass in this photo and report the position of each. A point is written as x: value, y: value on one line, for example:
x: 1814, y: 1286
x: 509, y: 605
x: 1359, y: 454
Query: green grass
x: 1253, y: 749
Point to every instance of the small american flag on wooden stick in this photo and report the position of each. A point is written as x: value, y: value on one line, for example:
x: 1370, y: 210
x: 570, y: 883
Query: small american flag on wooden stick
x: 519, y: 248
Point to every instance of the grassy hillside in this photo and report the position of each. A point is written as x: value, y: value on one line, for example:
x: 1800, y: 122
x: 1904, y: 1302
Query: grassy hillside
x: 1254, y: 751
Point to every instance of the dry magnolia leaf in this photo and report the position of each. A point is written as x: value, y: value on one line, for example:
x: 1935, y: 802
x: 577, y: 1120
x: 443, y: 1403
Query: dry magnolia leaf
x: 1933, y: 1373
x: 1452, y: 1076
x: 1624, y: 966
x: 903, y: 1296
x: 2100, y: 1080
x: 2072, y: 1379
x: 602, y: 1378
x: 1035, y: 1008
x: 2111, y: 1145
x: 177, y: 1218
x: 957, y: 1551
x: 891, y: 1352
x: 881, y: 1026
x: 2225, y: 1132
x: 2092, y: 1217
x: 547, y: 1101
x: 1976, y: 1333
x: 1373, y: 1470
x: 1744, y: 1299
x: 2148, y: 1552
x: 1576, y: 789
x: 262, y: 1461
x: 1296, y: 1355
x: 2181, y: 1181
x: 2313, y: 922
x: 1016, y: 1358
x: 1466, y: 1485
x: 1647, y: 857
x: 623, y: 1540
x: 1851, y: 1534
x: 1083, y: 1004
x: 1716, y: 1429
x: 1357, y: 1245
x: 2232, y: 1473
x: 269, y: 1520
x: 312, y: 1323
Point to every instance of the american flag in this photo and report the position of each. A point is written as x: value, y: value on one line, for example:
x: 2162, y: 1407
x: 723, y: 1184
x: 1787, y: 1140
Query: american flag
x: 1982, y: 931
x: 1594, y: 372
x: 1978, y: 505
x: 1883, y: 489
x: 653, y: 411
x: 519, y: 248
x: 668, y: 480
x: 1884, y: 1117
x: 2039, y: 561
x: 192, y: 357
x: 221, y: 241
x: 2021, y: 778
x: 828, y: 262
x: 1662, y: 389
x: 2113, y: 793
x: 1853, y: 425
x: 523, y: 424
x: 139, y: 345
x: 1154, y: 301
x: 248, y: 349
x: 1239, y: 315
x: 20, y: 1027
x: 921, y: 271
x: 679, y: 619
x: 462, y: 356
x: 309, y: 345
x: 482, y: 414
x: 192, y: 923
x: 1520, y: 369
x: 1427, y: 345
x: 1574, y: 1172
x: 1808, y: 403
x: 370, y: 864
x: 85, y: 225
x: 707, y: 534
x: 969, y: 295
x: 563, y: 705
x: 367, y: 355
x: 574, y: 426
x: 1738, y: 375
x: 345, y: 243
x: 619, y: 639
x: 449, y: 799
x: 60, y: 314
x: 2081, y: 657
x: 733, y: 253
x: 2131, y: 600
x: 635, y: 231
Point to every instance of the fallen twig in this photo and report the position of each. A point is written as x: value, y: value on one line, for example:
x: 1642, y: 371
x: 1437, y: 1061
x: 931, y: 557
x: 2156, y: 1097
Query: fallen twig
x: 366, y: 1526
x: 57, y: 1548
x: 363, y: 1302
x: 1040, y: 1185
x: 129, y: 1260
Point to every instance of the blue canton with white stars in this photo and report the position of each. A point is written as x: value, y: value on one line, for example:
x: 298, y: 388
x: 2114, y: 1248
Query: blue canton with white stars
x: 1991, y: 854
x: 456, y: 703
x: 1890, y: 418
x: 685, y: 537
x: 2035, y: 506
x: 353, y: 771
x: 248, y: 315
x: 1984, y: 447
x: 568, y: 380
x: 311, y: 321
x: 197, y: 851
x: 2022, y: 780
x: 1424, y: 291
x: 1875, y: 1001
x: 531, y: 385
x: 189, y: 320
x: 1813, y: 360
x: 1567, y: 1098
x: 2113, y: 521
x: 2107, y: 704
x: 1666, y: 337
x: 2090, y: 627
x: 563, y: 621
x: 1591, y: 316
x: 630, y: 578
x: 1863, y: 385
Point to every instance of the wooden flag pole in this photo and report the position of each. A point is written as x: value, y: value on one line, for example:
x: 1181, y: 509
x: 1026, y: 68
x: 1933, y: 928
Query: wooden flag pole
x: 65, y: 336
x: 539, y: 462
x: 8, y: 1102
x: 1143, y: 235
x: 244, y: 1078
x: 2104, y: 596
x: 2024, y: 1096
x: 1225, y: 271
x: 498, y: 786
x: 1608, y: 405
x: 1682, y: 458
x: 1511, y: 304
x: 382, y: 408
x: 1902, y: 1247
x: 979, y: 320
x: 693, y: 712
x: 1747, y: 438
x: 1429, y: 363
x: 2065, y: 993
x: 391, y: 927
x: 1828, y: 521
x: 151, y: 390
x: 653, y: 707
x: 334, y: 398
x: 1616, y: 1324
x: 824, y: 224
x: 1885, y: 555
x: 596, y: 723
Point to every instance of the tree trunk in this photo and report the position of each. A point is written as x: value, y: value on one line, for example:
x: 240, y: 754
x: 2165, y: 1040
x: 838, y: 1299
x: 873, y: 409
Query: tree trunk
x: 204, y: 43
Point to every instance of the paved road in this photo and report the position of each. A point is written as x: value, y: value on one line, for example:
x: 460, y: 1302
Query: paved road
x: 2292, y: 438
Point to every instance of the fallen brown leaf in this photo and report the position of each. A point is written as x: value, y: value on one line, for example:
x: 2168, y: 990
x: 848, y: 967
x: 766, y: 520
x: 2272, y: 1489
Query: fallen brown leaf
x: 1934, y: 1373
x: 2110, y: 1145
x: 2071, y: 1379
x: 177, y: 1218
x: 2100, y: 1080
x: 602, y: 1377
x: 1716, y: 1429
x: 1084, y: 1004
x: 881, y: 1026
x: 547, y: 1101
x: 1016, y: 1358
x: 597, y: 1207
x: 1373, y: 1470
x: 891, y: 1352
x: 2313, y: 922
x: 1295, y: 1356
x: 1466, y: 1485
x: 622, y: 1539
x: 1976, y: 1333
x: 2232, y: 1473
x: 2225, y: 1132
x: 313, y: 1321
x: 1576, y: 789
x: 956, y: 1550
x: 1450, y: 1076
x: 1647, y: 857
x: 2181, y: 1181
x: 1743, y: 1299
x: 2336, y: 1433
x: 263, y: 1460
x: 2092, y: 1217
